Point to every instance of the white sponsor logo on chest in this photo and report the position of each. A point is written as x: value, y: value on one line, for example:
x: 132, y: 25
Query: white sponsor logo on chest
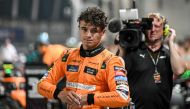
x: 80, y: 86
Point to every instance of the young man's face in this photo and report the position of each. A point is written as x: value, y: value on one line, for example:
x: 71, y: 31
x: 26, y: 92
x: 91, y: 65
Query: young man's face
x: 90, y: 35
x: 157, y: 30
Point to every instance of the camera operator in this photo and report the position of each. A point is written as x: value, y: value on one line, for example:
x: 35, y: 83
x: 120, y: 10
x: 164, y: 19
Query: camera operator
x: 151, y: 67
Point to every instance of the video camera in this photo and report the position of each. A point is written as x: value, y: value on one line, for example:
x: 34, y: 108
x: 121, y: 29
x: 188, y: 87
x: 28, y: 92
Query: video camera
x: 130, y: 27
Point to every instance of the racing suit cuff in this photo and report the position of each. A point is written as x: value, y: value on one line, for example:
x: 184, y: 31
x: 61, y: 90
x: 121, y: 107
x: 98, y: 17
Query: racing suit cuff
x: 56, y: 92
x: 90, y: 99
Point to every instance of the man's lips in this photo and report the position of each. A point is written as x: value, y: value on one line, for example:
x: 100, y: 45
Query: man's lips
x: 89, y: 40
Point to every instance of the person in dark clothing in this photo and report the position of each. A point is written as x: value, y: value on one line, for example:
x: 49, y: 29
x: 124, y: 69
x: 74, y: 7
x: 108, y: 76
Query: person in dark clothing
x: 151, y: 66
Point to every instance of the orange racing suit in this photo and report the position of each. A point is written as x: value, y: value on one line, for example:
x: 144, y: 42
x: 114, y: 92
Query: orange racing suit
x: 52, y: 53
x: 101, y: 75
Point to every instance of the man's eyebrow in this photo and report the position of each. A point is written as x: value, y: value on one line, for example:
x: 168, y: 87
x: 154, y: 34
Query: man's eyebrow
x: 95, y: 28
x: 83, y: 27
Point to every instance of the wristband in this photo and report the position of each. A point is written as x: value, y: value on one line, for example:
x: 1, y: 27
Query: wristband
x: 56, y: 92
x: 90, y: 99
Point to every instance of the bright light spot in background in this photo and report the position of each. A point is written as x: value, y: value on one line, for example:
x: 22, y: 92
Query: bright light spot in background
x: 72, y: 42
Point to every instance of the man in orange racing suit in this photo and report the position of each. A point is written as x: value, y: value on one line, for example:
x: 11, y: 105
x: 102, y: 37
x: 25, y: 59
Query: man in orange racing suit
x: 95, y: 78
x: 49, y: 52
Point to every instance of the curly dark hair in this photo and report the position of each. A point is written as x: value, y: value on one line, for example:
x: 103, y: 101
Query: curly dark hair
x: 95, y: 16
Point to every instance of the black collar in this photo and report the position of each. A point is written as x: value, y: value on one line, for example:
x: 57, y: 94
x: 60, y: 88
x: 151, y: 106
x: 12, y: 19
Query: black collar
x: 91, y: 53
x: 144, y: 46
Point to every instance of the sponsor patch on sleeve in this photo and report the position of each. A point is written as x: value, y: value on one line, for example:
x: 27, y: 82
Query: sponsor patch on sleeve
x: 72, y: 68
x: 120, y: 73
x: 120, y: 78
x: 120, y: 69
x: 121, y: 82
x: 122, y: 94
x: 123, y: 90
x: 122, y: 87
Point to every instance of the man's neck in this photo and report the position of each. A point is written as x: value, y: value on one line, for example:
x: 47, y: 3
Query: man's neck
x: 154, y: 46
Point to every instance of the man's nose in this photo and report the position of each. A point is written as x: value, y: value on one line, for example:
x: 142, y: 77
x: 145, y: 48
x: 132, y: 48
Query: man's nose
x: 153, y: 28
x: 89, y: 33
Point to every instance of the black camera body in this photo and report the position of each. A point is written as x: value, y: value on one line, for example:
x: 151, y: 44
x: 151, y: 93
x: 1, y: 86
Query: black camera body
x: 132, y: 33
x: 131, y: 29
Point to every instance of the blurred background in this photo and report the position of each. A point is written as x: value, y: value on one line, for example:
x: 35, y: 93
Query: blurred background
x: 23, y: 20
